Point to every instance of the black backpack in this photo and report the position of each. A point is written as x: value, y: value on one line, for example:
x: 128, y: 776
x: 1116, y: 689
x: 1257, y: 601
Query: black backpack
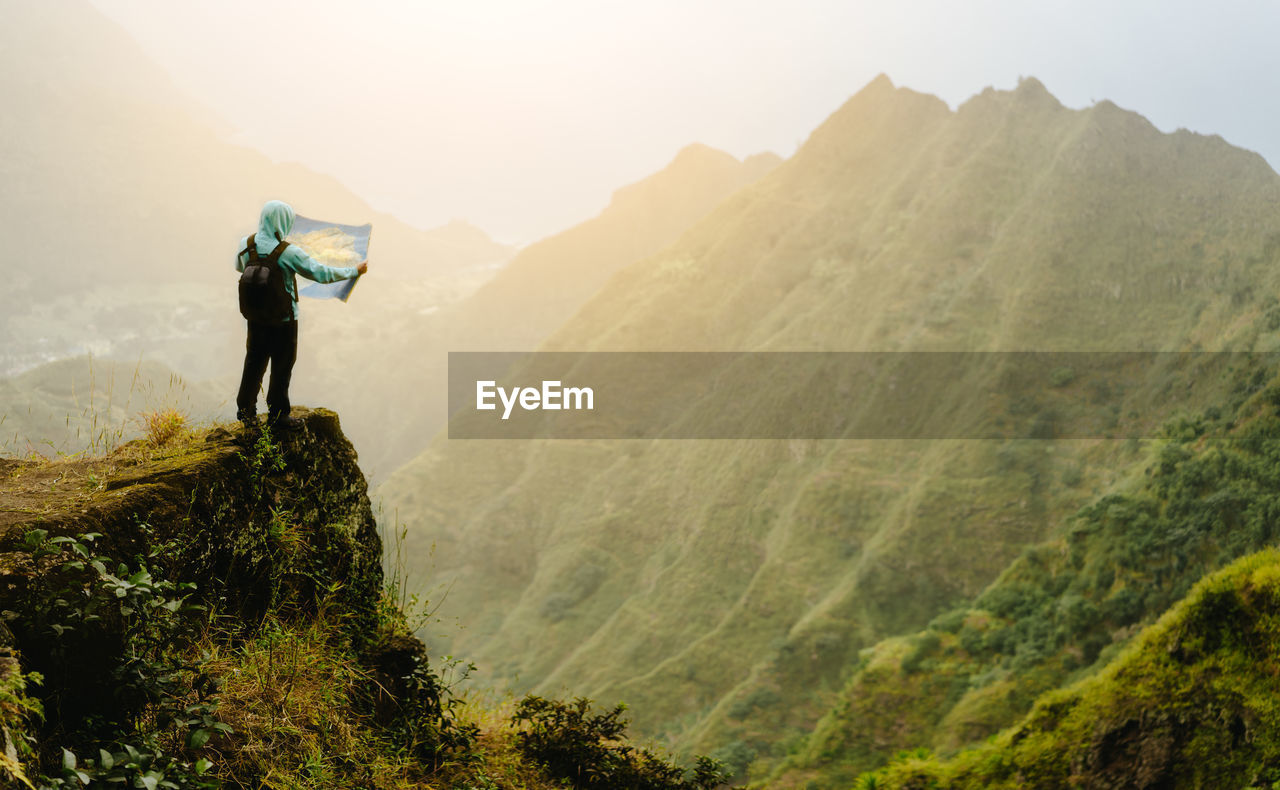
x: 263, y: 297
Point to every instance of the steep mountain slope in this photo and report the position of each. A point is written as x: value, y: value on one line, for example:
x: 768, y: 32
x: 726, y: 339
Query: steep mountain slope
x: 539, y: 290
x: 1202, y: 495
x: 1191, y: 703
x: 727, y: 587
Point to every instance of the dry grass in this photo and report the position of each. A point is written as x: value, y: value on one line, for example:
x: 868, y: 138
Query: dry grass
x: 164, y: 426
x: 38, y: 486
x: 74, y: 407
x: 289, y: 695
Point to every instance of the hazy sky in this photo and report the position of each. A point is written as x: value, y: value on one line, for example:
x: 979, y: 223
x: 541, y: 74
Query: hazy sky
x: 523, y: 116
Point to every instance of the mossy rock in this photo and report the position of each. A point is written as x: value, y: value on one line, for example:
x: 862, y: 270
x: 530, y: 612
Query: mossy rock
x: 259, y: 527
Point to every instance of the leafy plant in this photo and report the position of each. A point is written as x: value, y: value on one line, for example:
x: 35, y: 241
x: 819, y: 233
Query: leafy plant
x: 80, y: 592
x: 427, y: 717
x: 145, y: 766
x: 17, y: 709
x: 589, y: 750
x: 266, y: 457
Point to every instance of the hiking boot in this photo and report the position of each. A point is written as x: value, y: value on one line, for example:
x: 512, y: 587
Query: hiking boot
x: 248, y: 419
x: 283, y: 423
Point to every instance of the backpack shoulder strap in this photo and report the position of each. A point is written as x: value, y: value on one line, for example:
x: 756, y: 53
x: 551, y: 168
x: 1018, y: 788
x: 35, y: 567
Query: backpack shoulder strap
x: 278, y: 251
x: 274, y: 260
x: 251, y: 249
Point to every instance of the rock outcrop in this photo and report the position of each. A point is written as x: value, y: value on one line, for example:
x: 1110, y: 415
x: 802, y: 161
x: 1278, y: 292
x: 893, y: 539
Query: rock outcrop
x: 243, y: 525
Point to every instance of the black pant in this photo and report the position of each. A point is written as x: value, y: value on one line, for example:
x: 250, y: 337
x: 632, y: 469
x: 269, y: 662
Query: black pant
x: 278, y: 344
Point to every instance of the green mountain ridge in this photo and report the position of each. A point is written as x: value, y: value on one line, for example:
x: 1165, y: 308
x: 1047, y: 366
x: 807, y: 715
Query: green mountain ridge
x: 1195, y: 500
x: 727, y: 589
x: 1190, y: 704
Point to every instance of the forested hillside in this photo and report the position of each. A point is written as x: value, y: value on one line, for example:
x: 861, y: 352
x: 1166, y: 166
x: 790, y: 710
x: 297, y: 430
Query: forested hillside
x: 729, y: 588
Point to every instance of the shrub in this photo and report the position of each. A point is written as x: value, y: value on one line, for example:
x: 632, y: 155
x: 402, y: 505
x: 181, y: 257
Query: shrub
x: 588, y: 750
x: 1061, y: 377
x: 164, y: 426
x: 922, y: 648
x: 1072, y: 476
x: 760, y: 697
x: 556, y: 607
x: 949, y: 622
x: 736, y: 756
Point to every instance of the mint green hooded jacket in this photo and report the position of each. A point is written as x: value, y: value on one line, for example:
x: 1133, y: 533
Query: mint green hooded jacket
x: 274, y: 224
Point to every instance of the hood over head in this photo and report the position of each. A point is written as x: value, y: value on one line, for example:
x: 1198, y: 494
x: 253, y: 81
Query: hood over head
x: 275, y: 222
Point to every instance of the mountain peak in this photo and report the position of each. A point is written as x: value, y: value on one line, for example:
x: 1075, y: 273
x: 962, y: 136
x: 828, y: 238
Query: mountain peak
x: 1109, y: 113
x: 1029, y: 92
x: 879, y: 110
x: 1030, y: 85
x: 879, y: 87
x: 698, y: 153
x: 1032, y: 89
x: 879, y: 83
x: 758, y: 165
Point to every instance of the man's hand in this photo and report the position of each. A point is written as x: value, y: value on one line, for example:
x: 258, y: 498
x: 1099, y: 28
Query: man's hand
x: 363, y: 267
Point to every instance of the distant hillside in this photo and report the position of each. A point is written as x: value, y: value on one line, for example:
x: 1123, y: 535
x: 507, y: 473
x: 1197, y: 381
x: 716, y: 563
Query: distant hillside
x: 118, y: 187
x: 727, y: 588
x: 75, y: 404
x: 536, y: 292
x: 152, y: 192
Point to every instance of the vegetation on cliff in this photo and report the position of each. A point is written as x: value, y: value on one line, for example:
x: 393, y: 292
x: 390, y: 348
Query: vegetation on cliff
x: 1205, y: 495
x: 209, y: 609
x: 1190, y: 703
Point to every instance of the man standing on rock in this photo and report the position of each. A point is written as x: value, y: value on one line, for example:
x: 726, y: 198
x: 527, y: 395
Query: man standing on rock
x: 269, y: 301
